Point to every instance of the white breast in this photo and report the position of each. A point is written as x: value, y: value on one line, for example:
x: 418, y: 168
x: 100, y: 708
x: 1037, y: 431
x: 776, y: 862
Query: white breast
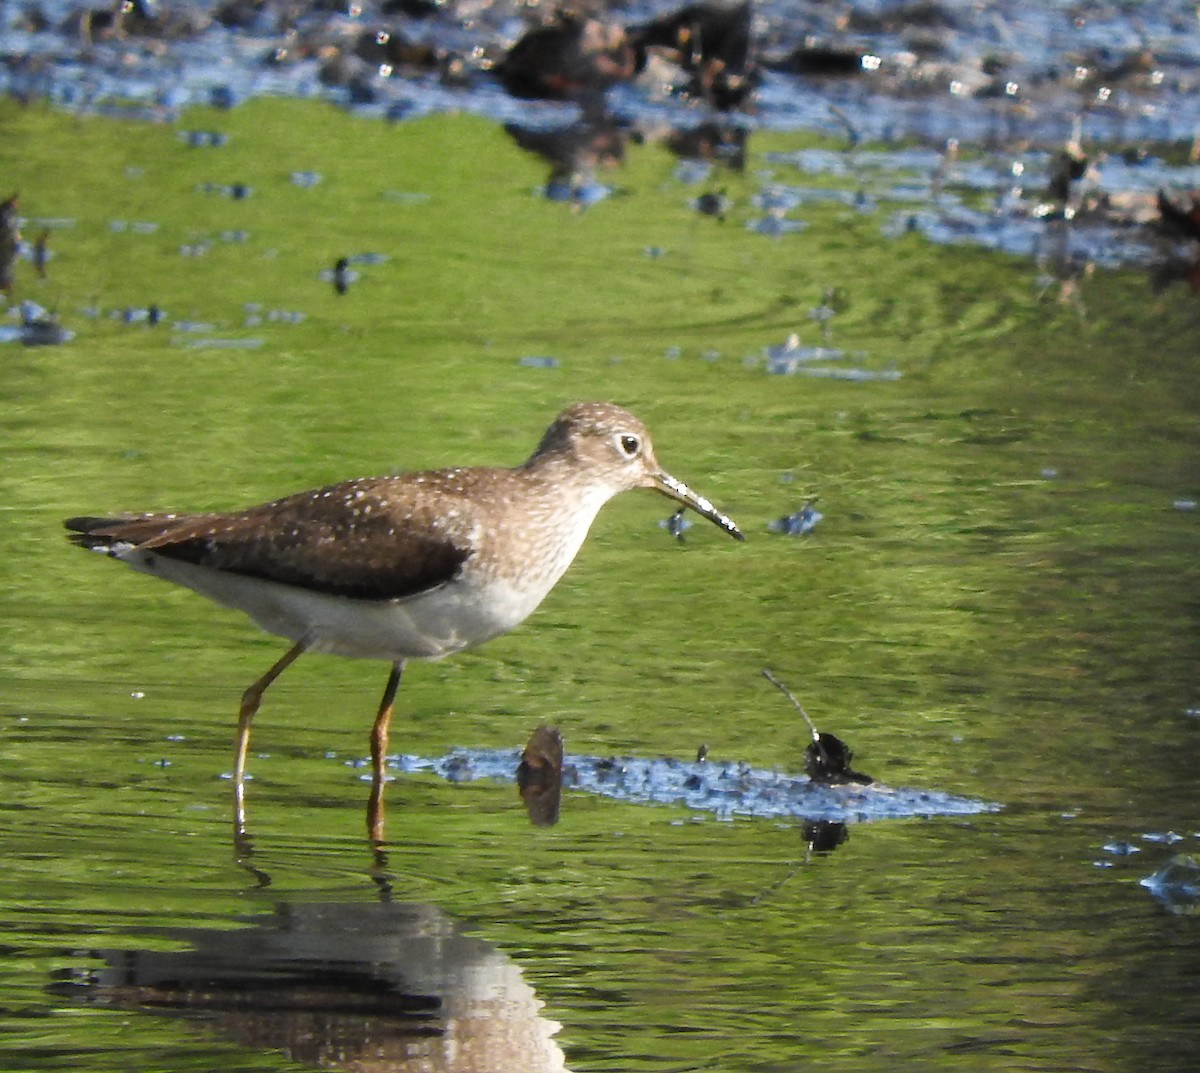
x: 437, y: 623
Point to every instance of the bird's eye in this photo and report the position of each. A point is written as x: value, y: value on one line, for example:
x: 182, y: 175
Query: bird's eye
x: 630, y: 445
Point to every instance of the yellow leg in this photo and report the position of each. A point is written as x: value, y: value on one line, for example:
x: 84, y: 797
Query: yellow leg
x: 379, y: 743
x: 251, y: 699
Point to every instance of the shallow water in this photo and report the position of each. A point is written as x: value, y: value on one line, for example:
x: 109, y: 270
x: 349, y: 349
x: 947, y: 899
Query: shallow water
x: 998, y: 603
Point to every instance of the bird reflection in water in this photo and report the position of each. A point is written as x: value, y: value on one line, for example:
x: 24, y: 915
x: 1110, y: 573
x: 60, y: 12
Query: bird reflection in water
x: 365, y: 987
x: 581, y: 151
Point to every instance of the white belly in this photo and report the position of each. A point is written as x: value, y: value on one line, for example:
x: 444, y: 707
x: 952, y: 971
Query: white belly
x: 434, y: 624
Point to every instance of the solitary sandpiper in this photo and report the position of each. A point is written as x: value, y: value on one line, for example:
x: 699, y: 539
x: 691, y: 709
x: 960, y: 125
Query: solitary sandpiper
x: 413, y: 566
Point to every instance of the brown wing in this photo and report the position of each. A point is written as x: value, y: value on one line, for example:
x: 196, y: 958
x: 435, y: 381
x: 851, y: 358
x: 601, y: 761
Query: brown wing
x: 372, y: 539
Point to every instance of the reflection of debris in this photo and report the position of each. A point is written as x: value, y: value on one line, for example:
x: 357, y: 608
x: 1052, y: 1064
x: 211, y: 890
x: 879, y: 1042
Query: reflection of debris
x: 831, y: 305
x: 40, y: 253
x: 539, y: 776
x: 824, y: 836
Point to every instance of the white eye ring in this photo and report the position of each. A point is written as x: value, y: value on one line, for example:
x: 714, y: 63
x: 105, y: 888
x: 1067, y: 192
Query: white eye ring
x: 629, y: 444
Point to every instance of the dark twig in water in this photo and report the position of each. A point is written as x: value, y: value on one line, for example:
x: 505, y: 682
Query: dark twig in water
x: 788, y: 693
x: 827, y: 759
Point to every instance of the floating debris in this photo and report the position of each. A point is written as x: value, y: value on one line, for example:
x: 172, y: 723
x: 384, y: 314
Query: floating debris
x: 233, y: 191
x: 406, y: 197
x: 827, y: 758
x: 249, y: 343
x: 151, y: 315
x: 306, y: 180
x: 797, y: 523
x: 537, y: 361
x: 256, y: 316
x: 676, y: 525
x: 539, y: 776
x: 203, y: 139
x: 775, y: 226
x: 775, y: 198
x: 38, y: 327
x: 1177, y: 885
x: 341, y: 275
x: 785, y: 359
x: 133, y: 227
x: 1167, y: 838
x: 723, y: 788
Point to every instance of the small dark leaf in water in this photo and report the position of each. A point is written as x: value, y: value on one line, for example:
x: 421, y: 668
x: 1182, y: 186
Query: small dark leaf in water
x: 802, y: 521
x: 827, y: 761
x: 539, y: 776
x: 41, y: 328
x: 676, y: 525
x: 827, y: 758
